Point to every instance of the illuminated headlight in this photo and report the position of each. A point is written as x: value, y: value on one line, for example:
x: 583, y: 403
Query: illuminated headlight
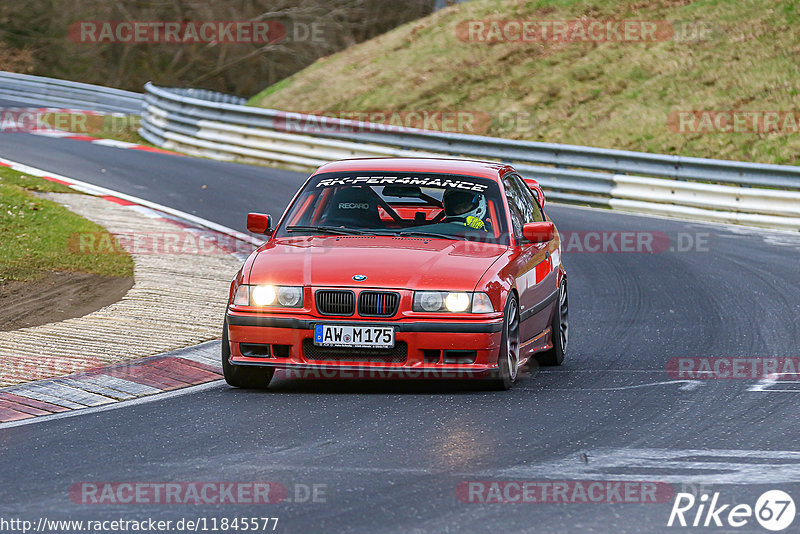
x: 453, y: 302
x: 263, y: 295
x: 266, y: 295
x: 457, y: 302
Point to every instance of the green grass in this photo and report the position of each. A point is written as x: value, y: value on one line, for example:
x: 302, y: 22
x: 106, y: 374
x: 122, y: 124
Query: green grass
x: 121, y: 128
x: 35, y: 234
x: 613, y: 95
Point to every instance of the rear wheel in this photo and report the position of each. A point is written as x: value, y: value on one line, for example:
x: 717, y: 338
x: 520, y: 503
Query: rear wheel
x: 241, y: 376
x: 508, y: 360
x: 560, y: 329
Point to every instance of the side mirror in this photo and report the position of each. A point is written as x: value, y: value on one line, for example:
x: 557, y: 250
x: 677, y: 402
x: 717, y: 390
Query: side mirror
x: 539, y: 232
x: 259, y: 223
x: 536, y: 189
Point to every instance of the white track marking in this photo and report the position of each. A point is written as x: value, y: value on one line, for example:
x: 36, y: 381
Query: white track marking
x: 102, y: 191
x: 727, y: 226
x: 114, y: 143
x: 688, y: 385
x: 765, y: 384
x: 116, y: 405
x: 699, y: 466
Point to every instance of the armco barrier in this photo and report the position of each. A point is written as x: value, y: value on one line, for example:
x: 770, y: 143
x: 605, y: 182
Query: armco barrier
x: 219, y: 126
x: 50, y: 92
x: 698, y: 188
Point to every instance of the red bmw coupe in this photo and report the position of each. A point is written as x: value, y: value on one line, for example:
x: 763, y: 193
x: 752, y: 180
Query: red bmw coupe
x: 401, y: 268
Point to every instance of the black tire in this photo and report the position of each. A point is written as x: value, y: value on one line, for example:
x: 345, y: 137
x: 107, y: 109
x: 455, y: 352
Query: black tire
x: 241, y: 376
x: 508, y: 358
x: 560, y: 328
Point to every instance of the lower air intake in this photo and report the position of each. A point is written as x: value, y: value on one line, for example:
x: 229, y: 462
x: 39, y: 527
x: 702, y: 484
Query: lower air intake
x: 398, y: 354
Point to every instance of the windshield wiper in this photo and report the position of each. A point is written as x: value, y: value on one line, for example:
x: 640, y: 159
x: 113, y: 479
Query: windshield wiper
x: 332, y: 230
x: 419, y: 233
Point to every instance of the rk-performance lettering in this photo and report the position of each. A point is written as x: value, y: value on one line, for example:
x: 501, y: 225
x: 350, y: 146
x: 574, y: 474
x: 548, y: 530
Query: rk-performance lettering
x: 441, y: 183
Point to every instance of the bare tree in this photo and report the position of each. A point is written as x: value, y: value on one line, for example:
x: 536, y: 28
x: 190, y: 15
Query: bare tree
x: 314, y: 29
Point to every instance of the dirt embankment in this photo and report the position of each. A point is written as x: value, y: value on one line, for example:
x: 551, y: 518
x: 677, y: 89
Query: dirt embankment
x: 57, y: 296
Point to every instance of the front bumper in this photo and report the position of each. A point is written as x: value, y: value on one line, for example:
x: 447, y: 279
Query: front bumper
x: 422, y: 339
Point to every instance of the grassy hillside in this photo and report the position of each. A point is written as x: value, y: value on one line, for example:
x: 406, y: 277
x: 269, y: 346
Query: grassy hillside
x: 608, y: 94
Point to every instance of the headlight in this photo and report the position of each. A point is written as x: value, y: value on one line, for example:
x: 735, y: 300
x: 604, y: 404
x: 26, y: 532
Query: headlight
x: 457, y: 302
x: 429, y: 301
x: 263, y: 295
x: 290, y: 297
x: 266, y: 295
x: 451, y: 301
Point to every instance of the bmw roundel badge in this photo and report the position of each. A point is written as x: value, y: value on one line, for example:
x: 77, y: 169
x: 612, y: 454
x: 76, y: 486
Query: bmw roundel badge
x: 359, y: 277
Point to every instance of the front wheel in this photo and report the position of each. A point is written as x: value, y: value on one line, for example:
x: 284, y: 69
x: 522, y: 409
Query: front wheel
x: 560, y: 331
x: 240, y: 376
x: 508, y: 359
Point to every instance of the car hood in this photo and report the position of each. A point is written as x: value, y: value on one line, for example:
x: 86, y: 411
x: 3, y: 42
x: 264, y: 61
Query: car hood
x: 387, y: 262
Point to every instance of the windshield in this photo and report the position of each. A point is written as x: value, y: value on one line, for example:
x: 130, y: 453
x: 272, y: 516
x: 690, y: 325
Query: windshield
x: 443, y: 206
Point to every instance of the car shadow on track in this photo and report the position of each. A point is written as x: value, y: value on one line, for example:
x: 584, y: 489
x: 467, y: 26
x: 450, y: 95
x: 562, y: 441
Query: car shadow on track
x: 382, y: 386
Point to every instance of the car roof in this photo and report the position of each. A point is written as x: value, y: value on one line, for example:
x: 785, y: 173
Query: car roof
x: 483, y: 169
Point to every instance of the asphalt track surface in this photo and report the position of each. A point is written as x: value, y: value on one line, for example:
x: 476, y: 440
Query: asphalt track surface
x: 390, y: 455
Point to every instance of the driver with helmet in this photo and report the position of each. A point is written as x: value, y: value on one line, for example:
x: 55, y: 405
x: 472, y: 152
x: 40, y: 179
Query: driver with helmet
x: 467, y: 207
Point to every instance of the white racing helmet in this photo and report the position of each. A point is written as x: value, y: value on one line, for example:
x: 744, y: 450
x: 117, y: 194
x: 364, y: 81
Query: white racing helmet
x: 464, y: 204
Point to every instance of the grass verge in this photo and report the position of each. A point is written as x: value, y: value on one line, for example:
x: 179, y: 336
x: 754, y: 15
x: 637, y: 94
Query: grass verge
x: 35, y: 234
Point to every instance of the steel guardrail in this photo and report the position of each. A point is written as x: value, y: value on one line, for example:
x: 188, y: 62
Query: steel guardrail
x: 51, y: 92
x: 700, y: 188
x: 219, y: 126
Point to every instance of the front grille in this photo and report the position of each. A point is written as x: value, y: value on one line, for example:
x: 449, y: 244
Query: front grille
x: 377, y: 304
x: 335, y: 302
x: 398, y: 354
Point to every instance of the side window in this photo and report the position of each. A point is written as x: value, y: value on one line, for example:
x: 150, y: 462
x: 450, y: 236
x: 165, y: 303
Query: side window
x: 514, y: 207
x: 530, y: 209
x: 522, y: 205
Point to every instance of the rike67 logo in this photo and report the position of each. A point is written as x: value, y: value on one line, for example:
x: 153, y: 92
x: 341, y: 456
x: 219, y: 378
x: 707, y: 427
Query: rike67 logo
x: 774, y: 510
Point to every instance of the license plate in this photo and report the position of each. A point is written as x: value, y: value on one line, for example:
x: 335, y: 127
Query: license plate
x: 354, y: 336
